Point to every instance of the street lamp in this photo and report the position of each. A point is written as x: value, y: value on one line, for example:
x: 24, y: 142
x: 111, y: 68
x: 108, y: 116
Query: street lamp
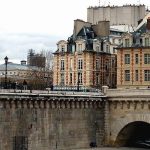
x: 6, y: 62
x: 78, y: 81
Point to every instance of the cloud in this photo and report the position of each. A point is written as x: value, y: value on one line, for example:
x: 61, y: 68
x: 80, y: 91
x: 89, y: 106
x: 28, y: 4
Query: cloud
x: 16, y: 46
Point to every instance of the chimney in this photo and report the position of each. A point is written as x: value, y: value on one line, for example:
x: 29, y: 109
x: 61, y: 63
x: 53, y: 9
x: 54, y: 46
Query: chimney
x: 148, y: 24
x: 140, y: 21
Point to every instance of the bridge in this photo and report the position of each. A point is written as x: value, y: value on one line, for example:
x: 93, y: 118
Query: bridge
x: 129, y: 119
x: 72, y: 120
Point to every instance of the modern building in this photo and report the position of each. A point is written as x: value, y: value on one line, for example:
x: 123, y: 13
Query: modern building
x: 85, y: 61
x: 117, y: 15
x: 133, y: 58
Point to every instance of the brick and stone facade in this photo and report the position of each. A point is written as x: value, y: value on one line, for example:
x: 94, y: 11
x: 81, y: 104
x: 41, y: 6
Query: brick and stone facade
x: 85, y: 59
x: 133, y: 59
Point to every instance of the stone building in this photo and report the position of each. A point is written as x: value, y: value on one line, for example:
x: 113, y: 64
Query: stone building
x: 85, y: 61
x: 117, y: 15
x: 18, y: 73
x: 133, y: 58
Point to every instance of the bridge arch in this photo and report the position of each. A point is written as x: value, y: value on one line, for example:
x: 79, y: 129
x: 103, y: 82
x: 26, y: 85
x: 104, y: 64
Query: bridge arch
x: 134, y: 134
x: 119, y: 123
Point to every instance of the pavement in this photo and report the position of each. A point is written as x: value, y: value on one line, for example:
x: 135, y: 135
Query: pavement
x: 113, y: 148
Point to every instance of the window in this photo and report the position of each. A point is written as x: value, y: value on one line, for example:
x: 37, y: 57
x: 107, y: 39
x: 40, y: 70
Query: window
x: 136, y: 75
x: 97, y: 64
x: 119, y: 41
x: 147, y: 75
x: 127, y: 75
x: 70, y: 78
x: 80, y: 64
x: 79, y: 47
x: 71, y: 63
x: 97, y: 78
x: 107, y: 48
x: 146, y: 41
x: 62, y: 79
x: 126, y: 42
x: 114, y: 51
x: 80, y: 77
x: 136, y: 59
x: 127, y: 58
x: 62, y: 48
x: 62, y: 66
x: 146, y: 58
x: 97, y: 48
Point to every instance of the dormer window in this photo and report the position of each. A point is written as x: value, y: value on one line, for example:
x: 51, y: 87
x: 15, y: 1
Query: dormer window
x: 126, y: 42
x: 107, y: 48
x: 79, y: 47
x: 97, y: 48
x: 62, y: 48
x: 146, y: 41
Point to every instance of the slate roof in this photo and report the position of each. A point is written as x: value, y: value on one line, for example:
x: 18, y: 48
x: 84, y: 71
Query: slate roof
x: 14, y: 66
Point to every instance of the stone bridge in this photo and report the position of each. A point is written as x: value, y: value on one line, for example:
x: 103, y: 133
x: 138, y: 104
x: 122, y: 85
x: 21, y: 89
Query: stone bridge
x: 71, y: 120
x: 129, y: 116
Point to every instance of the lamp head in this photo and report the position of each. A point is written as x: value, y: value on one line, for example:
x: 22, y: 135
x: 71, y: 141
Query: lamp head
x: 6, y: 59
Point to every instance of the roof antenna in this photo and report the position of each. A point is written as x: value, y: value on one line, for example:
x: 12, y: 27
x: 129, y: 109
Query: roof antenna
x: 99, y: 2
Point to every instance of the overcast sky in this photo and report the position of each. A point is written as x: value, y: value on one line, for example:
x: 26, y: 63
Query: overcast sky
x: 40, y: 24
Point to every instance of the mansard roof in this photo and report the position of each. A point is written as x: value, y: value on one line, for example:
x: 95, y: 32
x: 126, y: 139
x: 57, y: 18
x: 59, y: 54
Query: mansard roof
x: 87, y: 32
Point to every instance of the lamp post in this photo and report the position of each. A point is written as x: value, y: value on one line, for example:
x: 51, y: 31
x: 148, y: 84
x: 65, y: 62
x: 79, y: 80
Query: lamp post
x: 78, y: 82
x: 6, y: 62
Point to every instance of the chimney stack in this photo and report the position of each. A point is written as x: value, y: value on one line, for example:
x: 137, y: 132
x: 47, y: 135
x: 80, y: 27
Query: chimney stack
x: 148, y: 24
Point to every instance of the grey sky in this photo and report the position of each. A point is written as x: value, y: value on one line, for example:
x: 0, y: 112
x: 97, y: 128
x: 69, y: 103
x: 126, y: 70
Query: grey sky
x: 39, y: 24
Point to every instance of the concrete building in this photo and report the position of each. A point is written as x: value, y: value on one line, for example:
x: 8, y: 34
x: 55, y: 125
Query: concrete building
x: 133, y: 58
x: 117, y: 15
x: 84, y: 61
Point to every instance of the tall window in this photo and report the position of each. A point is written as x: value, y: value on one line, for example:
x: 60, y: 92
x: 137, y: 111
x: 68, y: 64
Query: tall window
x: 97, y: 78
x: 136, y: 59
x: 80, y: 64
x: 146, y: 41
x: 127, y: 75
x: 71, y: 63
x: 80, y: 77
x: 62, y: 78
x: 136, y: 75
x: 62, y: 65
x: 127, y: 58
x: 126, y: 42
x: 147, y: 75
x: 70, y: 78
x: 146, y: 58
x: 97, y: 64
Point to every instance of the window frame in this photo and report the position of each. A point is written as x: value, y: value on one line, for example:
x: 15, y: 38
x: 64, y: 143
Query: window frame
x: 127, y: 58
x: 127, y: 75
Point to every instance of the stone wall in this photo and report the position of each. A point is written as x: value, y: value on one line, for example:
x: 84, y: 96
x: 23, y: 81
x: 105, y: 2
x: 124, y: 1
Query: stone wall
x: 126, y: 106
x: 44, y: 124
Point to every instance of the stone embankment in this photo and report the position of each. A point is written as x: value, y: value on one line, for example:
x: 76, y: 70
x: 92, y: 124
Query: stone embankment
x: 109, y: 148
